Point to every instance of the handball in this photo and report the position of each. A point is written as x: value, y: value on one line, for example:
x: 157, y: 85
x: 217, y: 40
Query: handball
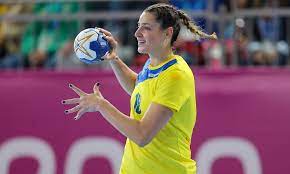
x: 90, y: 45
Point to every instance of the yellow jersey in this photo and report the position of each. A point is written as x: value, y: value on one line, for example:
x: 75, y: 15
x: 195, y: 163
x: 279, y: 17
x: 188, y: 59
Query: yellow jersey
x: 170, y: 84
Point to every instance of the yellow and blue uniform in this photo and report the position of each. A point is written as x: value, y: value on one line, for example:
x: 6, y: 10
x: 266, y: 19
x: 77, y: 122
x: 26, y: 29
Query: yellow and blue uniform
x: 170, y: 84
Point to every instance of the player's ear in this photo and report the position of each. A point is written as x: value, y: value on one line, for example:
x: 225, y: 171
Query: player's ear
x: 169, y: 32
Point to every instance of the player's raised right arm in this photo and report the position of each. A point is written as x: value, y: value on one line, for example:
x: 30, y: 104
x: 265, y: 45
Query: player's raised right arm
x: 124, y: 74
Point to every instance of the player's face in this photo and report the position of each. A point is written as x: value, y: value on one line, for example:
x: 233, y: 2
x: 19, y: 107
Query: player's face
x: 149, y: 34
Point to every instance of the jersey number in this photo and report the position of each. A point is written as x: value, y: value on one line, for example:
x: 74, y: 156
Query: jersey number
x: 137, y: 103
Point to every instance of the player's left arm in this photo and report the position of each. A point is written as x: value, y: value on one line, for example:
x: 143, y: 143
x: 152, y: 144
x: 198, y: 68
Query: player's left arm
x: 139, y: 131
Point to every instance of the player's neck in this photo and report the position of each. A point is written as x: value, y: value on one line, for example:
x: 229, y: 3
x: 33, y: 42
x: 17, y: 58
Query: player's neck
x: 160, y: 57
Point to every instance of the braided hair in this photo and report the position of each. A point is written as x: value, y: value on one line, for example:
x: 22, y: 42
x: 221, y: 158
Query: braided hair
x: 169, y: 16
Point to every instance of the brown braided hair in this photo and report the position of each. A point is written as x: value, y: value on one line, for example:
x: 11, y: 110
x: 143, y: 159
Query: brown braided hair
x: 169, y: 16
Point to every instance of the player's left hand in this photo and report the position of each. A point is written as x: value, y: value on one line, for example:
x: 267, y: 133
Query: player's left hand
x: 86, y: 102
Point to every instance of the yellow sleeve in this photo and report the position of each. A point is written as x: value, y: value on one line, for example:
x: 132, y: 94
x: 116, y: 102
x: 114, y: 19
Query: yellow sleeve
x: 172, y: 90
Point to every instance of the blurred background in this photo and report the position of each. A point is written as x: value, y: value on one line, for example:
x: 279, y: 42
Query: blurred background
x: 40, y: 34
x: 242, y: 85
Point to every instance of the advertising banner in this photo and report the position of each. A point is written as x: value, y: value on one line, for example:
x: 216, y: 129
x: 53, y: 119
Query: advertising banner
x: 242, y: 124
